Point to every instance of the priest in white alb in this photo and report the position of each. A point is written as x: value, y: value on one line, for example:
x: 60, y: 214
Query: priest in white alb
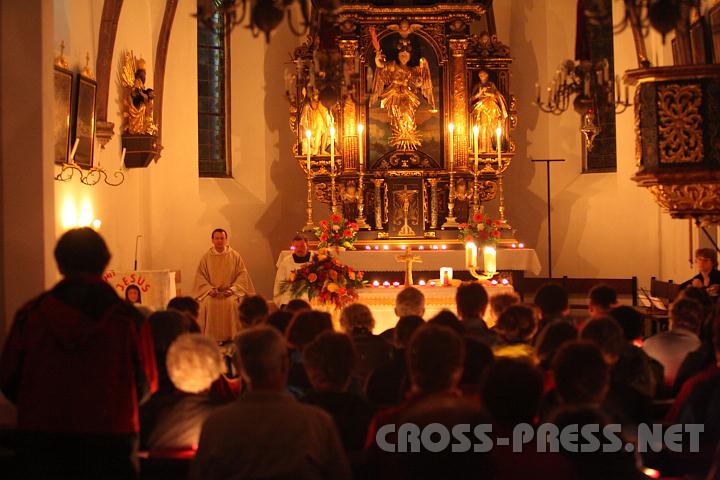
x: 301, y: 255
x: 220, y: 284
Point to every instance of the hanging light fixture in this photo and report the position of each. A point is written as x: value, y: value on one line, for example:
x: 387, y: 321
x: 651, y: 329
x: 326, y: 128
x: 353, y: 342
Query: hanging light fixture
x: 263, y: 15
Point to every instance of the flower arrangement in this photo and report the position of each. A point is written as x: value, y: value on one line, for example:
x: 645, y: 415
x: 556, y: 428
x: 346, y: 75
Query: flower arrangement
x: 326, y: 279
x: 337, y: 232
x: 481, y: 230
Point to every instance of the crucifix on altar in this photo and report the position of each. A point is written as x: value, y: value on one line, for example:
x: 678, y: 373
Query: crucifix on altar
x: 409, y: 259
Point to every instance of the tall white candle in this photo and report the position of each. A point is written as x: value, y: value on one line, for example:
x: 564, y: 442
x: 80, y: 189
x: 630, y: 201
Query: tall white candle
x: 451, y: 129
x: 360, y: 129
x: 490, y: 260
x: 470, y: 255
x: 308, y: 135
x: 332, y: 149
x: 476, y: 131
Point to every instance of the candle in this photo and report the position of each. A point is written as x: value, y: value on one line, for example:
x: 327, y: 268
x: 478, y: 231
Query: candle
x: 470, y: 255
x: 122, y: 157
x: 451, y: 128
x: 498, y: 133
x: 308, y: 134
x: 74, y: 149
x: 476, y: 130
x: 332, y: 149
x: 446, y: 275
x: 360, y: 144
x: 490, y: 260
x: 537, y: 92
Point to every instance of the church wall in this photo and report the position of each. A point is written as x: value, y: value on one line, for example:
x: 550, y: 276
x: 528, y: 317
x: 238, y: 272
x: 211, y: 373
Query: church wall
x: 122, y: 210
x: 262, y: 205
x: 603, y: 224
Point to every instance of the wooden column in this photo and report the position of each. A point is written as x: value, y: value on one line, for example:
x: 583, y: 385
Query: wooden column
x: 458, y: 106
x: 106, y: 44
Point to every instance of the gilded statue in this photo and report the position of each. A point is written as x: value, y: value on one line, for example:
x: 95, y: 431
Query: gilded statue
x: 463, y: 199
x: 138, y: 102
x: 405, y: 210
x: 399, y: 87
x: 349, y: 197
x: 316, y: 118
x: 489, y: 111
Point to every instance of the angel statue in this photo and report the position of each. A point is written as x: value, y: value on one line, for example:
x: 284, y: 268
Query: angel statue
x: 398, y: 87
x: 489, y: 111
x: 138, y: 101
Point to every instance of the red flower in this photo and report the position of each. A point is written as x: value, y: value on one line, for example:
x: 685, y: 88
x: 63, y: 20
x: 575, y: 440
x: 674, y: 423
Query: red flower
x: 342, y: 291
x: 336, y: 237
x: 463, y: 226
x: 354, y: 226
x: 348, y: 233
x: 483, y: 235
x: 477, y: 217
x: 312, y: 277
x: 323, y: 237
x: 360, y: 275
x: 469, y: 238
x: 488, y: 222
x: 496, y: 233
x: 336, y: 218
x: 323, y: 223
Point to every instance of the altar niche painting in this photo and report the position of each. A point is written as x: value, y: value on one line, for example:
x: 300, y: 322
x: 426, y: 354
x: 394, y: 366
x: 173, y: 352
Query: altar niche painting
x: 427, y: 116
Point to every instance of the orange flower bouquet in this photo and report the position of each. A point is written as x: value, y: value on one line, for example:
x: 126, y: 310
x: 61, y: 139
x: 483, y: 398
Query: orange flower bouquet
x: 325, y: 279
x: 337, y: 232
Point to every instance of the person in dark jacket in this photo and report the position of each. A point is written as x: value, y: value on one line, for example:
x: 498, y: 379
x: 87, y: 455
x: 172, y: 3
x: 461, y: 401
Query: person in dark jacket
x: 77, y: 363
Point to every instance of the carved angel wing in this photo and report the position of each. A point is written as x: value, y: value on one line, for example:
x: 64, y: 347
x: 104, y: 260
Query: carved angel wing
x: 127, y: 73
x: 426, y: 87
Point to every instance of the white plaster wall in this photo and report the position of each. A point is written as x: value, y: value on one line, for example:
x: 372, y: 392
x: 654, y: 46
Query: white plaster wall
x: 261, y: 206
x: 123, y: 210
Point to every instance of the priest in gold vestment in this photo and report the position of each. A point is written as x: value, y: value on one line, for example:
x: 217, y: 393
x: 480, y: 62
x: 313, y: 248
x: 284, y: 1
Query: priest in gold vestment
x: 220, y: 284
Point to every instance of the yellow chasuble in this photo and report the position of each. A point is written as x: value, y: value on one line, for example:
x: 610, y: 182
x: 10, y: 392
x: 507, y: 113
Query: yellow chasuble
x: 218, y: 318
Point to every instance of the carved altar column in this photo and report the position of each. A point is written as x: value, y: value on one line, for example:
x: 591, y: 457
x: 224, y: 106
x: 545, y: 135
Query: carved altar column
x: 348, y: 48
x: 459, y: 109
x: 378, y: 203
x: 433, y: 202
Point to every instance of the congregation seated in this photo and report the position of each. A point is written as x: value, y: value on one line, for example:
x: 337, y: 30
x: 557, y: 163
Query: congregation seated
x: 515, y: 329
x: 471, y: 300
x: 253, y: 311
x: 357, y: 321
x: 409, y: 301
x: 329, y: 363
x: 171, y: 420
x: 446, y: 318
x: 435, y: 357
x: 499, y: 303
x: 551, y: 302
x: 297, y: 305
x: 303, y: 328
x: 280, y: 320
x: 187, y: 305
x: 671, y: 347
x: 548, y: 342
x: 166, y: 326
x: 510, y: 403
x: 632, y: 385
x: 266, y: 433
x: 601, y: 299
x: 388, y: 383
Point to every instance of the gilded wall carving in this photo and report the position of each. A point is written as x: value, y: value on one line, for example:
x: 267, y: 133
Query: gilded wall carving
x: 680, y: 123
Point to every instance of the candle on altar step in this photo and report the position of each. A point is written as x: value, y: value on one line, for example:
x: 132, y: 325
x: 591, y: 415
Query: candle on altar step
x: 470, y: 255
x: 490, y: 260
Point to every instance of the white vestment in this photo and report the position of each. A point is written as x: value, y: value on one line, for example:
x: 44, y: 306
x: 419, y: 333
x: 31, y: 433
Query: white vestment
x: 285, y: 265
x: 218, y: 316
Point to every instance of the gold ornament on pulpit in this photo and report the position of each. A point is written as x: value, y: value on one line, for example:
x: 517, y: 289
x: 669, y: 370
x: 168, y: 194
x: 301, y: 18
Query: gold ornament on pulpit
x: 489, y: 111
x: 138, y: 101
x: 399, y: 88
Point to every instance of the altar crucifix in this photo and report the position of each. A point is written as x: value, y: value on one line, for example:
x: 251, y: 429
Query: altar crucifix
x: 409, y: 259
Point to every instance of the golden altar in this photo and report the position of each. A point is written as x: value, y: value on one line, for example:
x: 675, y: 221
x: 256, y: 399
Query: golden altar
x: 403, y: 118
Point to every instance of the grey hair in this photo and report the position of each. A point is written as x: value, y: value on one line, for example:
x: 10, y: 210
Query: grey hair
x: 193, y: 362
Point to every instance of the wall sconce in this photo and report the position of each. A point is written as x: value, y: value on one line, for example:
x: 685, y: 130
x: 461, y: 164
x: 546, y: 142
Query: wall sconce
x: 93, y: 175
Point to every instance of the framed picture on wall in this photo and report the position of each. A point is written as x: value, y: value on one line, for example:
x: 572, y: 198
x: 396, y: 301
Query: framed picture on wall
x: 85, y: 121
x: 63, y: 106
x: 697, y: 42
x: 714, y: 24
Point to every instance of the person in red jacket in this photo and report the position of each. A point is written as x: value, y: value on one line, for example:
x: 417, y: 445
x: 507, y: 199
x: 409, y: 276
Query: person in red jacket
x: 77, y: 363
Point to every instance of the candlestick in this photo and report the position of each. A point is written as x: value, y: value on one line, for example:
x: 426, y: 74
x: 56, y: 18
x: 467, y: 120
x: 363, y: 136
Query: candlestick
x: 308, y: 135
x: 361, y: 187
x: 450, y: 219
x: 498, y: 133
x: 451, y: 129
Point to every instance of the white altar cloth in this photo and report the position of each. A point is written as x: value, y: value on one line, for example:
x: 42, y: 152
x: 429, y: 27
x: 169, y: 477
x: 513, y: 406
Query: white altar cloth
x: 522, y: 259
